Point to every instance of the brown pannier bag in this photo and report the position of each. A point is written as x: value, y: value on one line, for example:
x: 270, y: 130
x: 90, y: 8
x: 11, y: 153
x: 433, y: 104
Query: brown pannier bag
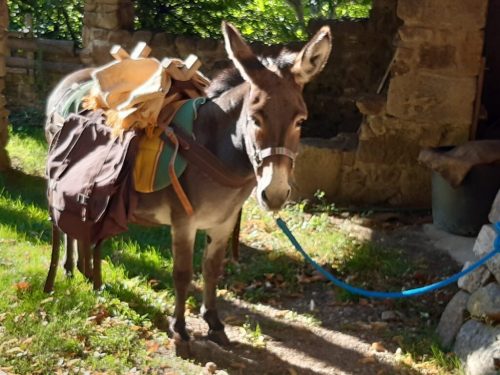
x: 90, y: 188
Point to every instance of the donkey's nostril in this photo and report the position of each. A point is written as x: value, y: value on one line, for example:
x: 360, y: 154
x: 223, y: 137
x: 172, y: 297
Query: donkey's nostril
x: 288, y: 193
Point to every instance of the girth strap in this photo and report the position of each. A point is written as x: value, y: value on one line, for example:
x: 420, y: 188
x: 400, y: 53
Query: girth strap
x: 206, y: 161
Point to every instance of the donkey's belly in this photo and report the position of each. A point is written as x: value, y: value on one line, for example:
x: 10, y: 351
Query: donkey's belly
x: 211, y: 208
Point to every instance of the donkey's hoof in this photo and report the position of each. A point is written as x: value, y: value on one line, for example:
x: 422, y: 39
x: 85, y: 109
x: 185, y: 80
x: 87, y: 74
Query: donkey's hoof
x: 219, y: 337
x: 178, y: 330
x: 69, y: 274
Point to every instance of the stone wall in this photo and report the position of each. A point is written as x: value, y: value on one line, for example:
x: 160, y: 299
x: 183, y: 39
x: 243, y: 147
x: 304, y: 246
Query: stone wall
x: 429, y: 103
x: 4, y: 22
x: 361, y: 52
x: 469, y: 323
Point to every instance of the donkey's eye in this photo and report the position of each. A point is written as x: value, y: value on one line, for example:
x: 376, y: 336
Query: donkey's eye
x: 299, y: 122
x: 257, y: 121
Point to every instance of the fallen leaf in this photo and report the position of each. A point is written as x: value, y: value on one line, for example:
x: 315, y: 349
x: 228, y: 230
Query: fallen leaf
x: 22, y: 286
x: 152, y: 346
x: 378, y: 347
x: 292, y: 371
x: 378, y: 325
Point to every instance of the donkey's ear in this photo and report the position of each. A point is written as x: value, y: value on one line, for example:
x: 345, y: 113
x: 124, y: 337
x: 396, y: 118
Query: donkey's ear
x: 240, y: 52
x: 313, y: 57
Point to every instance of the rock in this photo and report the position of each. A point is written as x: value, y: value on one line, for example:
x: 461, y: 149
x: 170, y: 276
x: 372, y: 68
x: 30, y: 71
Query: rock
x: 452, y: 318
x: 485, y: 303
x: 477, y: 345
x: 483, y: 245
x: 495, y: 210
x: 389, y: 315
x: 475, y: 279
x: 210, y: 368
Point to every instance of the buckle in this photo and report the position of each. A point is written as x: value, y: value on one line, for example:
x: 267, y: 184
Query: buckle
x: 82, y: 199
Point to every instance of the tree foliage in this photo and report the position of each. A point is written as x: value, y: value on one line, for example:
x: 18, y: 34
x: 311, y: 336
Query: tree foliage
x: 54, y: 19
x: 271, y: 21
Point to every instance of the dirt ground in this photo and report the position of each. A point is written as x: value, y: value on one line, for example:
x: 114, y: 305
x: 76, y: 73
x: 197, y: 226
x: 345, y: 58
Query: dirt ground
x: 354, y: 337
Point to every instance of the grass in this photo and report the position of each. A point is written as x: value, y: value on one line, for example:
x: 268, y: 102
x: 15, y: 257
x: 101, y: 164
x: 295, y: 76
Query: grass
x: 119, y: 328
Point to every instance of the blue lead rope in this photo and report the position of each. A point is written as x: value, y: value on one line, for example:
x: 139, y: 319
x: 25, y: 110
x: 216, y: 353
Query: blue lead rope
x: 402, y: 294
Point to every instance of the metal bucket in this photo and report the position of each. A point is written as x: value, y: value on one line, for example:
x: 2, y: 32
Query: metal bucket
x: 463, y: 210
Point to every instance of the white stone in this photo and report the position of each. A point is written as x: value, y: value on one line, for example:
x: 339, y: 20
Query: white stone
x: 484, y: 244
x: 452, y: 319
x: 478, y: 345
x: 475, y: 279
x: 495, y: 210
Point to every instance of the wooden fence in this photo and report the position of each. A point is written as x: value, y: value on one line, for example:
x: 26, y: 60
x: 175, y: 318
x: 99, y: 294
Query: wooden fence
x: 57, y: 56
x: 34, y: 66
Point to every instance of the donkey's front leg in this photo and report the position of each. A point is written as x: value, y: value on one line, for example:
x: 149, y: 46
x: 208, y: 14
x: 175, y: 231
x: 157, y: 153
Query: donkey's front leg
x: 213, y: 263
x: 183, y: 237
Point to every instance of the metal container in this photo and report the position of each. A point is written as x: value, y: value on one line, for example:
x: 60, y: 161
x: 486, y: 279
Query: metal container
x: 463, y: 210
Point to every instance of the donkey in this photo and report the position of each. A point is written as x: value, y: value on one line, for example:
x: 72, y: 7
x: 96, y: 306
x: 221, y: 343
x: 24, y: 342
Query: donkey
x: 251, y: 122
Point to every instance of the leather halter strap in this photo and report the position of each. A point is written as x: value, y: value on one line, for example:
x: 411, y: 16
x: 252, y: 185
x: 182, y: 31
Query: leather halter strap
x: 260, y: 155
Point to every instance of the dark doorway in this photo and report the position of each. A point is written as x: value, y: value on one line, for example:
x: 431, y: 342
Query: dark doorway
x: 489, y: 125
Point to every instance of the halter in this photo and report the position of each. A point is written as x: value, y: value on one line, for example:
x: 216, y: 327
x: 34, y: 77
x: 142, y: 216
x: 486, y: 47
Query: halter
x: 260, y: 155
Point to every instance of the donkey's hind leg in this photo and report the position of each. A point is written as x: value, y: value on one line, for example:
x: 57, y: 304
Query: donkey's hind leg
x: 183, y: 236
x: 70, y: 246
x: 54, y: 260
x: 213, y: 264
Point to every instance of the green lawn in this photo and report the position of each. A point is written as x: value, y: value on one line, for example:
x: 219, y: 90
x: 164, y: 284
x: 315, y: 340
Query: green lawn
x: 120, y: 328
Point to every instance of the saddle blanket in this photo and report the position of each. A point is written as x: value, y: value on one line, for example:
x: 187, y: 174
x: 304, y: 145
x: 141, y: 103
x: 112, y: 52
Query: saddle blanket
x: 153, y: 156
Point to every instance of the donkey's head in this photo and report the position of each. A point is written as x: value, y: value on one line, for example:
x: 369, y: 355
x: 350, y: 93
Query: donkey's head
x: 274, y: 109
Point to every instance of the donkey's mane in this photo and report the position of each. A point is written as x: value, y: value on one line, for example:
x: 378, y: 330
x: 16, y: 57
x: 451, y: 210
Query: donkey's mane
x: 230, y: 77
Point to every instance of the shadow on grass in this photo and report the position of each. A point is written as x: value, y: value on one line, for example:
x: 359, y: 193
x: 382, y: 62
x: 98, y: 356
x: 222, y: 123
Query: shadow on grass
x: 28, y: 188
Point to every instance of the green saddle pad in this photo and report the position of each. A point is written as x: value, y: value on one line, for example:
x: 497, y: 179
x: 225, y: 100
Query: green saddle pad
x: 154, y: 155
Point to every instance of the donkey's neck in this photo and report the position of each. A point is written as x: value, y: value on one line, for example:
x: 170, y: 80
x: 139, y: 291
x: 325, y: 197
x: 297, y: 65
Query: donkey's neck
x: 217, y: 128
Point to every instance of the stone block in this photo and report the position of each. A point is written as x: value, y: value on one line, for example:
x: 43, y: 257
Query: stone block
x: 185, y: 45
x: 142, y: 36
x: 369, y: 183
x: 452, y: 318
x: 478, y: 345
x: 484, y: 303
x: 108, y: 21
x: 121, y: 37
x: 415, y: 188
x: 317, y: 168
x: 396, y: 148
x: 495, y: 210
x: 444, y: 14
x: 100, y: 52
x: 453, y: 53
x: 431, y: 98
x: 373, y: 105
x: 475, y: 279
x: 163, y: 40
x: 483, y: 245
